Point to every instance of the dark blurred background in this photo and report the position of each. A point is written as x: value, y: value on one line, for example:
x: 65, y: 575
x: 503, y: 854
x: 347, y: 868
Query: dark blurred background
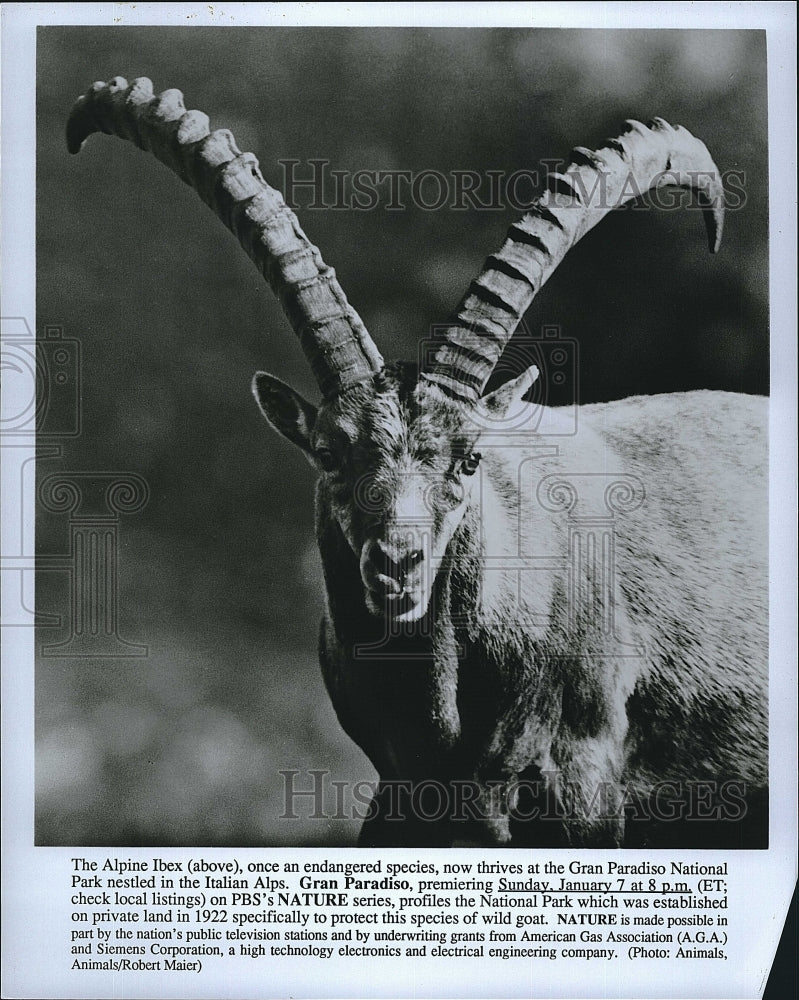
x: 218, y: 574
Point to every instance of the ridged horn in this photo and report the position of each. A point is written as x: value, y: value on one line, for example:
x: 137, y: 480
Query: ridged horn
x: 340, y: 351
x: 594, y: 183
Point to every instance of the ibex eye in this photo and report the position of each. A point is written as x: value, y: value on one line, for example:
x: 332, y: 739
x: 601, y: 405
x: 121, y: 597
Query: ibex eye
x: 470, y: 463
x: 326, y: 459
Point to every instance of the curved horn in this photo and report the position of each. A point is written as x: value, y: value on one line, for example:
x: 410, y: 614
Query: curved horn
x: 340, y: 351
x: 645, y: 157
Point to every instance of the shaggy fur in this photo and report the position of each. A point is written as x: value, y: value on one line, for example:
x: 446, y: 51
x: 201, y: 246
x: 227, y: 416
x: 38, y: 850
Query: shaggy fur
x: 583, y: 674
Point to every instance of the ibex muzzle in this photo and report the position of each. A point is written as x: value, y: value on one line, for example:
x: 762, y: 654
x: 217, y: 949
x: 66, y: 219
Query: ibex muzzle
x: 402, y: 552
x: 613, y: 651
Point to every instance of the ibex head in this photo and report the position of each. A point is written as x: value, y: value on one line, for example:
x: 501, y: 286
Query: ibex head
x: 397, y: 449
x: 397, y: 459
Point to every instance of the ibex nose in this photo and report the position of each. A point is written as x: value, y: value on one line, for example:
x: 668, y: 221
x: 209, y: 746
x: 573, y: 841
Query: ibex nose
x: 411, y: 559
x: 394, y: 560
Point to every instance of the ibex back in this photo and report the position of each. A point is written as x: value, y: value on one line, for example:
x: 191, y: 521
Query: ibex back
x: 537, y: 637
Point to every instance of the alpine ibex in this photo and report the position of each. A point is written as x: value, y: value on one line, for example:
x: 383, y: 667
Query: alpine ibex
x: 529, y: 624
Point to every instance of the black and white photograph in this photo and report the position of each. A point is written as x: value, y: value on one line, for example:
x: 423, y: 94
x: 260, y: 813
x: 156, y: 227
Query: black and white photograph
x: 391, y: 467
x: 514, y: 597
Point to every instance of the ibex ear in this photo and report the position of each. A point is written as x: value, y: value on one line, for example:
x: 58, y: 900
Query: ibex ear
x: 502, y: 400
x: 285, y: 409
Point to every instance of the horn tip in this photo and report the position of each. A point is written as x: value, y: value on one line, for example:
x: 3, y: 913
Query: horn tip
x: 714, y: 222
x: 79, y: 126
x: 714, y: 237
x: 82, y: 120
